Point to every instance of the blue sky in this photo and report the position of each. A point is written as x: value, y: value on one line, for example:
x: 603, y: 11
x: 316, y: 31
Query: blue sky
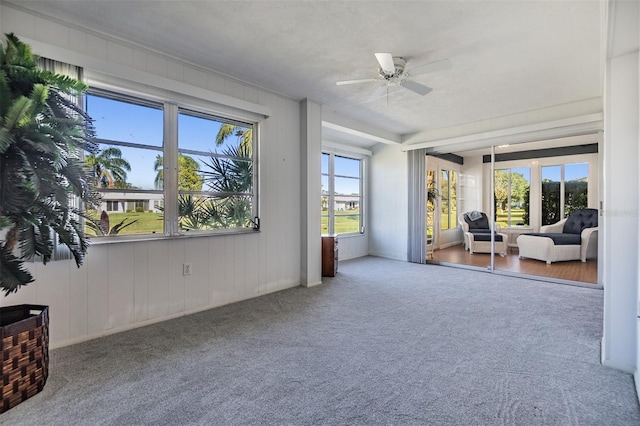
x: 343, y: 167
x: 571, y: 172
x: 141, y: 124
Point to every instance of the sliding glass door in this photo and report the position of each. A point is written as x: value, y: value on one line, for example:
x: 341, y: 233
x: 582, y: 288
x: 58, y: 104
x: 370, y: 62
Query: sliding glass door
x: 515, y: 194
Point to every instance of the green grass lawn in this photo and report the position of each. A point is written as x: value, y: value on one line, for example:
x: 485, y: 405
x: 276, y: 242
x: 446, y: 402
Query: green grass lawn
x: 516, y: 217
x: 146, y: 222
x: 343, y: 224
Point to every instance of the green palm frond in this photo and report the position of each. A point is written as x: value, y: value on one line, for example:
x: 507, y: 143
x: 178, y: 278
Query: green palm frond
x: 12, y: 273
x: 43, y: 134
x: 5, y: 96
x: 18, y: 114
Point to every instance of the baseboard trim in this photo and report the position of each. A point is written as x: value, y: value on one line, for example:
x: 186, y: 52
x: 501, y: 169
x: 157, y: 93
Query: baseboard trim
x: 144, y: 323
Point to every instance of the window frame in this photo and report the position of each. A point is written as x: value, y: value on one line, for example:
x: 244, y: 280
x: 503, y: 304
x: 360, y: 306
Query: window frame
x: 171, y: 107
x: 331, y: 175
x: 509, y: 171
x: 562, y: 191
x: 451, y: 217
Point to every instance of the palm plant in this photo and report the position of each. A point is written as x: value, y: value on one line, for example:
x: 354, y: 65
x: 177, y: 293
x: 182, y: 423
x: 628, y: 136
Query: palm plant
x: 245, y: 136
x: 43, y: 135
x: 234, y: 176
x: 104, y: 229
x: 108, y: 167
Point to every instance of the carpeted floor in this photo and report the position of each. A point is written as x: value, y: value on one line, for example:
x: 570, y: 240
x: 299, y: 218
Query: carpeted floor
x: 384, y: 342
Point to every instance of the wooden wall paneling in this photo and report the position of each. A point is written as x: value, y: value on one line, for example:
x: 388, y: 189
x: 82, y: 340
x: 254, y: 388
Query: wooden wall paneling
x: 55, y: 294
x: 220, y: 291
x: 176, y: 250
x: 175, y: 70
x: 96, y: 46
x: 195, y: 77
x: 158, y: 65
x: 77, y: 40
x: 196, y: 289
x: 239, y: 262
x: 140, y: 281
x: 121, y: 284
x: 46, y: 29
x: 98, y: 289
x: 139, y: 60
x: 78, y: 300
x: 251, y: 263
x: 18, y: 22
x: 119, y: 54
x: 158, y: 279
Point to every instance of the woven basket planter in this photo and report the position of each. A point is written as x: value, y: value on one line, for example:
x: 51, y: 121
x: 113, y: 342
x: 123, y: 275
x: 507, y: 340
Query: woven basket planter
x: 24, y: 330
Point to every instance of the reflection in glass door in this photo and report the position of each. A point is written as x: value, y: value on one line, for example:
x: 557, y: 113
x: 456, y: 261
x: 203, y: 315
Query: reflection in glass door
x: 524, y: 205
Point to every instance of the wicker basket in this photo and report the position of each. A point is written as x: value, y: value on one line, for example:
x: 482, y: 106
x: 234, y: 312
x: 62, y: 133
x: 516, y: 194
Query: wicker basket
x: 24, y: 330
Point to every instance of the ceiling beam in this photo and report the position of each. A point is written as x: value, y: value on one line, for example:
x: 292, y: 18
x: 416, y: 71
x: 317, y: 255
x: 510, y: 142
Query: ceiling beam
x: 350, y: 127
x: 574, y: 126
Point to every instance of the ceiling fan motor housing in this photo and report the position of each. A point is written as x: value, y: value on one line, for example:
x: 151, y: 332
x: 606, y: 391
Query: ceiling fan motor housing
x: 399, y: 64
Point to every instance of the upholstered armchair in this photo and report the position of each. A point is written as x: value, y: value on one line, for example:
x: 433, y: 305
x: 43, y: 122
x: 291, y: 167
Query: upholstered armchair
x: 573, y: 238
x: 477, y: 234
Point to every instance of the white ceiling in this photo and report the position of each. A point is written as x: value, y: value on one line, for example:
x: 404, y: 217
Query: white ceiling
x: 507, y: 56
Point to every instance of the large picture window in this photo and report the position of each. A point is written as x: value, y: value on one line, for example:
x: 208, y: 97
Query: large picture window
x: 160, y: 169
x: 341, y: 201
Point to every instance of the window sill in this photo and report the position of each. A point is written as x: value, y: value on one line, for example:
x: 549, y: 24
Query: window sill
x: 162, y: 237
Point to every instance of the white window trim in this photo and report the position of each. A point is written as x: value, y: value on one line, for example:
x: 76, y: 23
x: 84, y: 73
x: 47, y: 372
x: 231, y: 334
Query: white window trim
x: 169, y: 149
x: 331, y: 173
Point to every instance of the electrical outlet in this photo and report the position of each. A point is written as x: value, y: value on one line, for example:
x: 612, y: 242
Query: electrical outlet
x: 186, y: 269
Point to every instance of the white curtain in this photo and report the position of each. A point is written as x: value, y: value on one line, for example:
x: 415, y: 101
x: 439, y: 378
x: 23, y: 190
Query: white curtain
x: 61, y: 252
x: 417, y: 241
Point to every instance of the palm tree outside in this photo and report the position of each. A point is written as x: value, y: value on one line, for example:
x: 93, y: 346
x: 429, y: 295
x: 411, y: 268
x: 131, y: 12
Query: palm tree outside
x: 245, y: 136
x: 108, y: 167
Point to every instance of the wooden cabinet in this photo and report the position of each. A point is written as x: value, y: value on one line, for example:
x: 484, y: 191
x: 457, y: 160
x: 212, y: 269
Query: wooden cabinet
x: 329, y: 255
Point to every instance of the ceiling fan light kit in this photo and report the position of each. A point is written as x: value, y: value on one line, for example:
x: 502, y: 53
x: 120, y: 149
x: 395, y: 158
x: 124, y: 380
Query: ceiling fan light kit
x: 392, y: 73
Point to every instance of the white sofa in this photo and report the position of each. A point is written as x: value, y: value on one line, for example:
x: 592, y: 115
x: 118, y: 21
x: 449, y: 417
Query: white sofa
x: 561, y: 241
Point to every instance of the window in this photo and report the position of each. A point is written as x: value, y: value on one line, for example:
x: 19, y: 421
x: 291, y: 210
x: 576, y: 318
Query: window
x: 141, y: 142
x: 215, y: 172
x: 341, y: 200
x: 564, y: 190
x: 512, y: 188
x: 449, y: 204
x: 130, y: 135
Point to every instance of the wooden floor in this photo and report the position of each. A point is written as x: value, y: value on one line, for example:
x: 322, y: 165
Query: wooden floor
x: 571, y: 270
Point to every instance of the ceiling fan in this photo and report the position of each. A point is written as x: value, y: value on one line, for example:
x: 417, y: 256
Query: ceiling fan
x: 392, y: 73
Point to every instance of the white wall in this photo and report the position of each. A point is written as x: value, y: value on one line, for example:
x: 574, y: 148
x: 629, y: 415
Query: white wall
x: 352, y: 246
x: 388, y: 202
x: 471, y: 184
x: 621, y: 190
x: 123, y: 285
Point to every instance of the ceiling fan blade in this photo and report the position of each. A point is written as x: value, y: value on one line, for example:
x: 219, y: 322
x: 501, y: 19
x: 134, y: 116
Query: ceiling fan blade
x: 377, y: 93
x: 386, y: 62
x: 443, y: 65
x: 418, y: 88
x: 362, y: 80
